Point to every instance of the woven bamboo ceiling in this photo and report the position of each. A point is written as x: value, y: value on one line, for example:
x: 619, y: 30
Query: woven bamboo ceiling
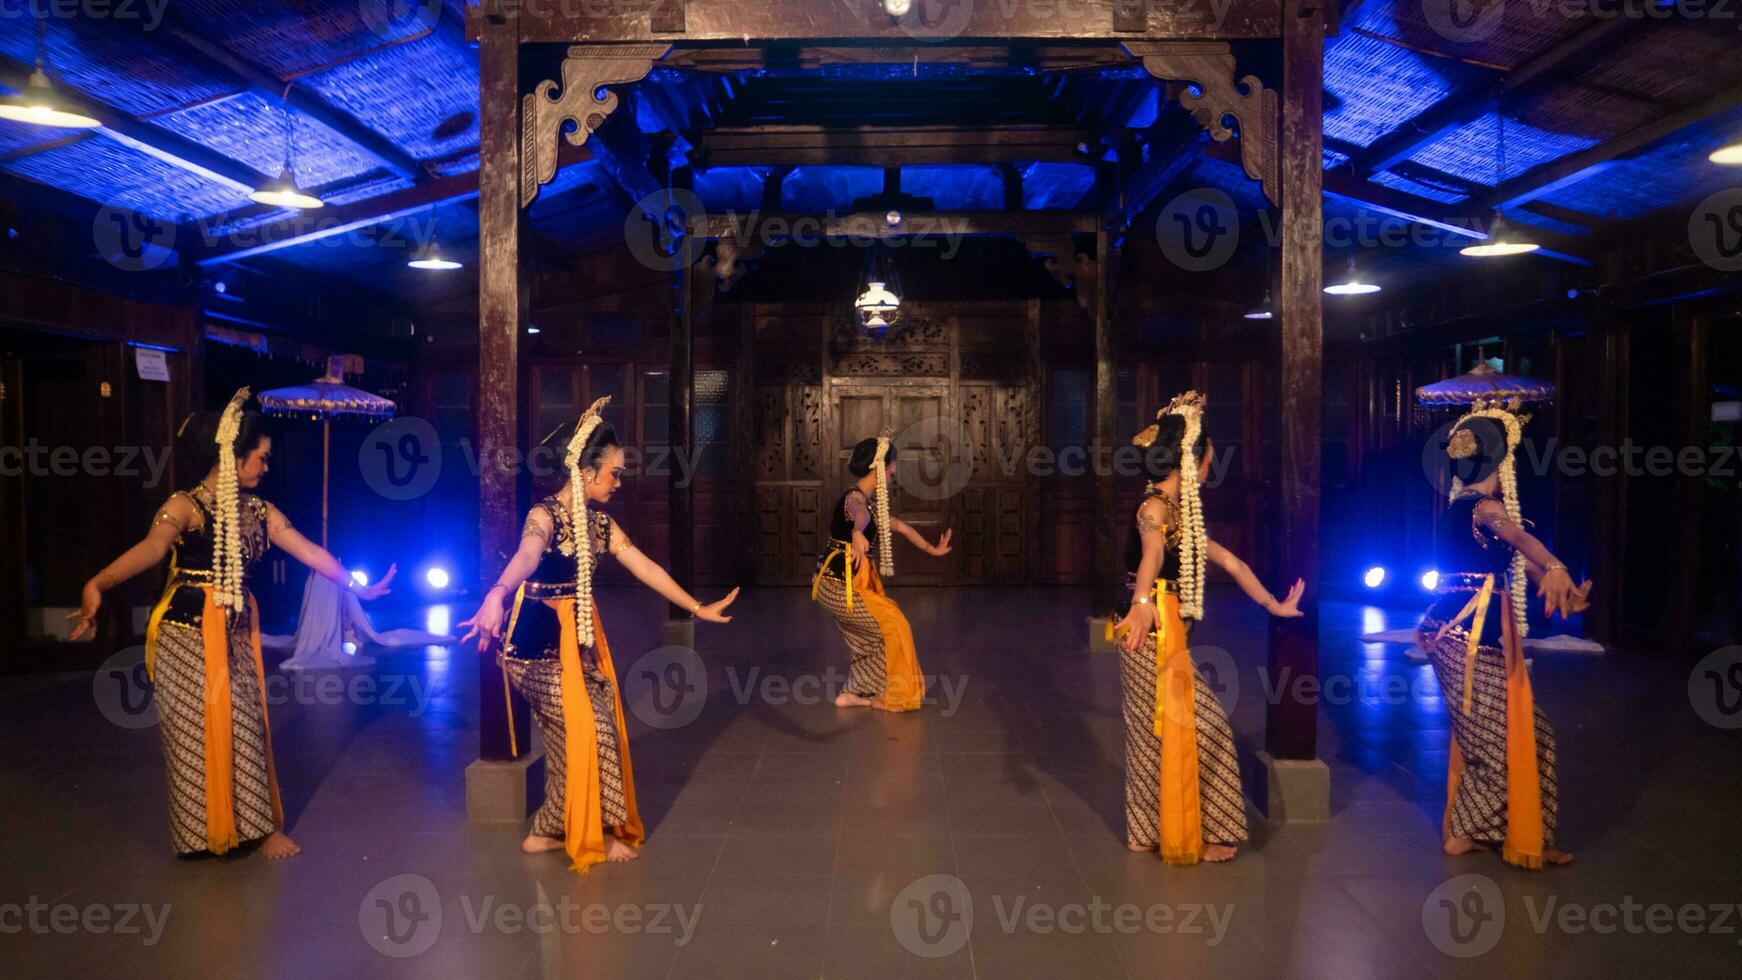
x: 1606, y: 120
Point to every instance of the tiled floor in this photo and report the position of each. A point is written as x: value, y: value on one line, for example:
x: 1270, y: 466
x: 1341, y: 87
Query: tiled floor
x: 981, y: 837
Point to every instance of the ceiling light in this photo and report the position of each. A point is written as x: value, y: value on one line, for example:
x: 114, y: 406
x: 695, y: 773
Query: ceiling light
x: 429, y: 258
x: 1352, y: 286
x: 1501, y: 240
x: 1729, y: 156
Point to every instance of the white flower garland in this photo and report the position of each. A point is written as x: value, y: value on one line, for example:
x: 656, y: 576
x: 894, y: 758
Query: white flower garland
x: 580, y: 542
x: 1194, y: 538
x: 885, y: 552
x: 1518, y: 581
x: 227, y: 590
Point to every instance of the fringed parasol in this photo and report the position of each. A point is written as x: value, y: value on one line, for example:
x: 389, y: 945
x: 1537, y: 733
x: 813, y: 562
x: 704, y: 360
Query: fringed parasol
x: 322, y: 400
x: 1485, y: 384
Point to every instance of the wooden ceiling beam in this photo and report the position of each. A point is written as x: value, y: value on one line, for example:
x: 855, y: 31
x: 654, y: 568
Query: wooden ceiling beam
x: 735, y: 22
x: 914, y: 224
x: 889, y: 146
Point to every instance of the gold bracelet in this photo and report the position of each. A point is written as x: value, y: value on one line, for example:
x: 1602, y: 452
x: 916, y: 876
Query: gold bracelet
x: 695, y: 607
x: 1552, y: 566
x: 1143, y: 600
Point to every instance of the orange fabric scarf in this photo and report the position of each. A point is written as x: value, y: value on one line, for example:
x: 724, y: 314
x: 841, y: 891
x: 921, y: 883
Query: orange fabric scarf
x: 1524, y: 844
x: 904, y: 686
x: 583, y: 821
x: 1176, y: 724
x: 221, y: 835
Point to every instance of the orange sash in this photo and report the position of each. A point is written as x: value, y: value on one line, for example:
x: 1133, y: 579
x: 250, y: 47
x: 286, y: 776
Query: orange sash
x: 583, y: 820
x: 1181, y: 817
x: 1523, y: 846
x: 221, y: 835
x: 904, y: 686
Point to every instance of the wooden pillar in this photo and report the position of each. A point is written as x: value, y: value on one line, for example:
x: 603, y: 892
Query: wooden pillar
x: 681, y: 391
x: 501, y: 308
x: 1105, y: 574
x: 1291, y: 730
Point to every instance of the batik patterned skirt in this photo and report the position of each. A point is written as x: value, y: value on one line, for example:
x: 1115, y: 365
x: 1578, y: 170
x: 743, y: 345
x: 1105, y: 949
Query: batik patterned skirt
x: 540, y: 683
x: 1478, y: 809
x: 179, y: 682
x: 1221, y: 802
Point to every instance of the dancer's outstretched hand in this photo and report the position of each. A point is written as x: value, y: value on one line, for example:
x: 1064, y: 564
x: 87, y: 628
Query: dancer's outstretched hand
x: 715, y: 612
x: 486, y: 623
x: 86, y: 614
x: 376, y: 590
x: 943, y: 545
x: 1289, y: 607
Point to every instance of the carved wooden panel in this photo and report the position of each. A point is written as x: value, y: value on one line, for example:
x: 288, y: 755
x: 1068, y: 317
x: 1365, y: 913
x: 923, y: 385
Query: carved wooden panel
x: 913, y: 332
x: 995, y: 365
x: 770, y: 434
x: 771, y: 509
x: 807, y: 433
x: 894, y: 365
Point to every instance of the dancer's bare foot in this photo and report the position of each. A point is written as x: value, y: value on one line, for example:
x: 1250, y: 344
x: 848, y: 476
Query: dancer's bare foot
x: 1552, y: 856
x: 1138, y: 848
x: 279, y: 846
x: 1217, y: 853
x: 618, y: 852
x: 536, y: 844
x: 1463, y: 845
x: 847, y: 699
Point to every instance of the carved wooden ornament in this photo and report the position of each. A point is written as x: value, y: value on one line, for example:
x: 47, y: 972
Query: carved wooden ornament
x: 586, y: 71
x: 1210, y: 67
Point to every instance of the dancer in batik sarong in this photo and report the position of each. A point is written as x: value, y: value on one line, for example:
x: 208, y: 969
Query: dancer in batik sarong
x: 884, y: 670
x: 1182, y: 778
x: 556, y: 656
x: 202, y: 645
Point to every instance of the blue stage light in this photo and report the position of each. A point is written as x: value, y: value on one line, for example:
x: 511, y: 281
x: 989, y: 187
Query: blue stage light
x: 360, y: 577
x: 1374, y: 578
x: 1430, y: 579
x: 437, y: 577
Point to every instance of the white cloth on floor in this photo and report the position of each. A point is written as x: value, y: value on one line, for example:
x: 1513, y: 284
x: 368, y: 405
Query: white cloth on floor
x: 327, y: 613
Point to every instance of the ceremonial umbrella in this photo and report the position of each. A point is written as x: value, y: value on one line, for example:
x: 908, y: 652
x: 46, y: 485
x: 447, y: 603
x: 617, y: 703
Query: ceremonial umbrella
x: 1484, y: 383
x: 322, y: 400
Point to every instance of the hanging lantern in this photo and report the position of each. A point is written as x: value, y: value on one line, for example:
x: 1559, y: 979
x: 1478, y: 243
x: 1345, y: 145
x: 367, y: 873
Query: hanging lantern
x: 878, y: 304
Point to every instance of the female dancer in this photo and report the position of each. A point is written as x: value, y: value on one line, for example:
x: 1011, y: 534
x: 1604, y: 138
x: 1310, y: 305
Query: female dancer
x: 202, y: 647
x: 884, y: 672
x: 556, y: 656
x: 1501, y: 788
x: 1182, y: 780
